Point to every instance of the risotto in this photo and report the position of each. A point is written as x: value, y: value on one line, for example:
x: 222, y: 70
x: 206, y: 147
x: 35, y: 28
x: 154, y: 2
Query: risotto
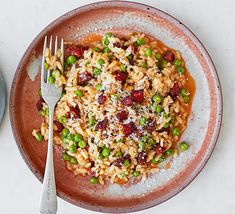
x: 124, y: 107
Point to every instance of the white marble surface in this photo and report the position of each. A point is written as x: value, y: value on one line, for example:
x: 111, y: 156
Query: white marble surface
x: 213, y: 21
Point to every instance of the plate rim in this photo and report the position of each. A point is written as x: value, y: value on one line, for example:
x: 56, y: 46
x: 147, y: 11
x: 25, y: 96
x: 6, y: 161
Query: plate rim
x: 141, y: 6
x: 3, y: 86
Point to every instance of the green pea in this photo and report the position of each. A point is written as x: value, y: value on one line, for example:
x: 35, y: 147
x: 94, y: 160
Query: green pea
x: 42, y: 113
x: 148, y: 52
x: 97, y: 71
x: 143, y: 64
x: 109, y: 34
x: 143, y: 120
x: 169, y: 151
x: 115, y: 97
x: 55, y: 73
x: 70, y: 137
x: 51, y: 80
x: 90, y: 114
x: 119, y: 140
x: 129, y: 57
x: 72, y: 148
x: 186, y: 99
x: 82, y: 144
x: 162, y: 64
x: 87, y: 63
x: 154, y: 161
x: 97, y: 49
x: 38, y: 137
x: 66, y: 65
x: 65, y: 140
x: 172, y: 121
x: 166, y: 125
x: 79, y: 93
x: 62, y: 119
x: 158, y: 56
x: 183, y: 92
x: 140, y: 41
x: 63, y: 93
x: 46, y: 66
x: 151, y: 107
x: 157, y: 98
x: 73, y: 160
x: 98, y: 87
x: 100, y: 157
x: 91, y: 121
x: 118, y: 154
x: 65, y: 132
x: 177, y: 62
x: 110, y: 57
x: 184, y: 146
x: 142, y: 145
x: 164, y: 114
x: 47, y: 111
x: 151, y: 141
x: 162, y: 158
x: 181, y: 70
x: 136, y: 173
x: 93, y: 180
x: 71, y: 60
x: 124, y: 174
x: 106, y: 152
x: 77, y: 138
x: 123, y: 67
x: 105, y: 39
x: 144, y: 138
x: 66, y: 157
x: 158, y: 109
x: 126, y: 162
x: 176, y: 131
x: 101, y: 61
x: 107, y: 50
x: 40, y: 92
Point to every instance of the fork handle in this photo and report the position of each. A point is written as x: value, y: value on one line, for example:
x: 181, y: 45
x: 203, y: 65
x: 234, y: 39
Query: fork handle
x: 48, y: 203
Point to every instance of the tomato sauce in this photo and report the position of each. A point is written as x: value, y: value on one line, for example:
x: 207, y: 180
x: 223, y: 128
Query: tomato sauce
x: 121, y: 181
x: 91, y: 40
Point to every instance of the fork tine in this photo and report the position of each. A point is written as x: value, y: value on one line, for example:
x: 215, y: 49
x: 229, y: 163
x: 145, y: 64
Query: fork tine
x: 50, y: 48
x: 43, y: 61
x: 50, y: 45
x: 62, y: 53
x: 56, y: 44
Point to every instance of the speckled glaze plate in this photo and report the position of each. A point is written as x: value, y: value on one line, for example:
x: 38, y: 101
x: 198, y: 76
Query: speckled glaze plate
x: 203, y: 127
x: 2, y: 97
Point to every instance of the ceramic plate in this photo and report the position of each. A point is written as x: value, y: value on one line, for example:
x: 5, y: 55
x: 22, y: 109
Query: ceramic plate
x: 2, y: 97
x: 203, y: 127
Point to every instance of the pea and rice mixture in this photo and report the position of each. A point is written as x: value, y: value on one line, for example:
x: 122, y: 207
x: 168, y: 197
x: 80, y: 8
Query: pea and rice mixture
x: 123, y: 109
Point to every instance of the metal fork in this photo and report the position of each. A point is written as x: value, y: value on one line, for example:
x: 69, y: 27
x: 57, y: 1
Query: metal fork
x: 51, y: 94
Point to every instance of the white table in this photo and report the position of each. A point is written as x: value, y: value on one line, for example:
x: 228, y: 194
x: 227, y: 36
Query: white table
x: 213, y: 21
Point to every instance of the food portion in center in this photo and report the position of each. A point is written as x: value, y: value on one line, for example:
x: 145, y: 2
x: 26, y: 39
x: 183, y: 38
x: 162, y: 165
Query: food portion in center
x: 125, y: 104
